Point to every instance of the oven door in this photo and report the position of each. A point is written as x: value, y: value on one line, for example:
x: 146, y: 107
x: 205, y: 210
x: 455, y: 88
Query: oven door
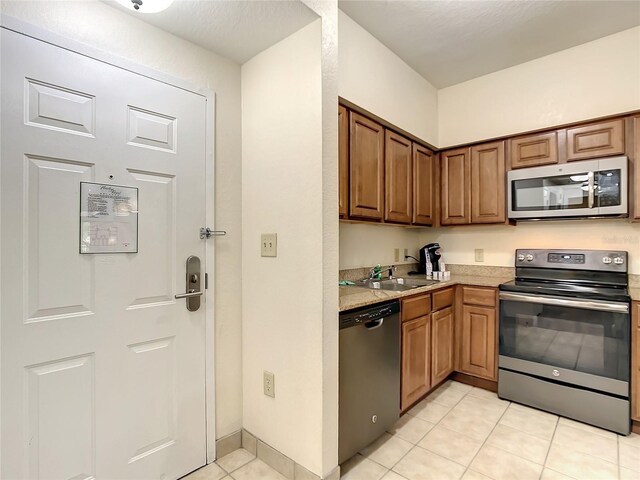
x: 574, y: 341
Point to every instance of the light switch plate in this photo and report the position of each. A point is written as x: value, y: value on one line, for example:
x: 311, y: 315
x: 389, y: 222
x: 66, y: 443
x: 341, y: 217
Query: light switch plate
x: 479, y: 252
x: 396, y: 254
x: 269, y: 245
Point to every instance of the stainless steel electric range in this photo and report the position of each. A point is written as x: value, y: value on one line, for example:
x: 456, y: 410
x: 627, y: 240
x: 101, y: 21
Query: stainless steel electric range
x: 565, y: 335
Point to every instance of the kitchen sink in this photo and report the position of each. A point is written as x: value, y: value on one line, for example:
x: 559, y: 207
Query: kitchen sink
x: 396, y: 284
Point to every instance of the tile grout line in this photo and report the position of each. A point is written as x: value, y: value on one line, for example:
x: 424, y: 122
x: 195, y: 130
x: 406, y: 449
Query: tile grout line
x: 422, y: 438
x: 555, y: 429
x: 487, y: 438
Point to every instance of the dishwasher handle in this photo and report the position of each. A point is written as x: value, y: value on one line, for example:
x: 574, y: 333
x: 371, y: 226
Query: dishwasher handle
x: 373, y: 324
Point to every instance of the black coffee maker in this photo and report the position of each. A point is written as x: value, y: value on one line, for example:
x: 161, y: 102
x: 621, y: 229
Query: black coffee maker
x: 429, y: 253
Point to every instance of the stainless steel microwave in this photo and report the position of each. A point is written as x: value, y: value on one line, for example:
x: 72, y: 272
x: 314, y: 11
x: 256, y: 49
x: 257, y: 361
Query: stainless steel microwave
x: 589, y: 188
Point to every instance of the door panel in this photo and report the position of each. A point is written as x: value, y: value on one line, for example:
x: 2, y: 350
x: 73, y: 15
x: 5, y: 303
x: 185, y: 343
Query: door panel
x: 423, y: 185
x: 398, y: 185
x: 595, y: 140
x: 441, y: 345
x: 478, y: 356
x: 488, y: 183
x: 343, y: 160
x: 110, y: 367
x: 534, y: 150
x: 415, y: 360
x: 455, y: 187
x: 366, y: 167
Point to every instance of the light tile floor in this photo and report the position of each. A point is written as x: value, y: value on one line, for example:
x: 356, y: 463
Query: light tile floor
x: 238, y: 465
x: 462, y: 432
x: 469, y: 433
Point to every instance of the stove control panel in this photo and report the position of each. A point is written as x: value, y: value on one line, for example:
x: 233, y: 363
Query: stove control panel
x: 603, y: 260
x: 573, y: 258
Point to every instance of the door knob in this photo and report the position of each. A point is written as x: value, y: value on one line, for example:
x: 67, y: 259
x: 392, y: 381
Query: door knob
x: 193, y: 290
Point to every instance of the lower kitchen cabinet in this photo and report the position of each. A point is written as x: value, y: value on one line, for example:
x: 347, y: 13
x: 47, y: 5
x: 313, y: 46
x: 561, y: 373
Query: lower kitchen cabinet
x: 415, y: 360
x: 477, y: 337
x: 635, y: 362
x: 442, y: 345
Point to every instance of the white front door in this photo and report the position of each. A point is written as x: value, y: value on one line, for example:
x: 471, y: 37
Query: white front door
x: 102, y: 369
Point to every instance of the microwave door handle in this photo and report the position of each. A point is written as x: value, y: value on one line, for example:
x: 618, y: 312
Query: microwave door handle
x: 591, y: 189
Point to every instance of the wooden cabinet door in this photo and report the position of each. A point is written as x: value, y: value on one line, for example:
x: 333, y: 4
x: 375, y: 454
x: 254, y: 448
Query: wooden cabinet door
x: 423, y: 186
x: 442, y: 357
x: 533, y: 150
x: 488, y: 183
x: 343, y: 161
x: 366, y: 167
x: 595, y: 140
x: 478, y: 341
x: 455, y: 188
x: 634, y: 167
x: 415, y: 360
x: 635, y: 361
x: 398, y: 186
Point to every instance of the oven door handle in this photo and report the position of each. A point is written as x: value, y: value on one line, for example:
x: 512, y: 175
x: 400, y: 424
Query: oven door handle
x: 615, y: 307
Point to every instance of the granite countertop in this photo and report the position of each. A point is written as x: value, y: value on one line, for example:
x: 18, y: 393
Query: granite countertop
x: 354, y: 297
x: 634, y: 292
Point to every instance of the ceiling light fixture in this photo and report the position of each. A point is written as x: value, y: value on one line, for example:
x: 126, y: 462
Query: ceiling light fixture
x: 146, y: 6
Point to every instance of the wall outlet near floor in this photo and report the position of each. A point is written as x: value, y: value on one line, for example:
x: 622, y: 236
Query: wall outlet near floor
x: 396, y: 254
x: 269, y: 384
x: 269, y: 245
x: 479, y: 254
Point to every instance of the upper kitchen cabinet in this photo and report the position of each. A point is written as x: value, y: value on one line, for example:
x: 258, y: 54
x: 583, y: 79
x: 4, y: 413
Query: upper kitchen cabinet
x: 398, y: 174
x: 633, y: 149
x: 488, y: 183
x: 473, y: 185
x: 533, y: 150
x: 595, y: 140
x: 455, y: 180
x: 366, y: 172
x: 343, y: 160
x: 423, y: 183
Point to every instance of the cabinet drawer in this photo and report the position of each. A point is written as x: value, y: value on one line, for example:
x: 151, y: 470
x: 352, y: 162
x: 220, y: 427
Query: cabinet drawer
x: 595, y: 140
x: 442, y: 299
x: 479, y: 296
x: 415, y: 307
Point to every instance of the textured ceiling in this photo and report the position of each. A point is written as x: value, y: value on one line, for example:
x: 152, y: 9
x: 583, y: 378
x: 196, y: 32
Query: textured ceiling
x: 236, y: 29
x: 451, y: 41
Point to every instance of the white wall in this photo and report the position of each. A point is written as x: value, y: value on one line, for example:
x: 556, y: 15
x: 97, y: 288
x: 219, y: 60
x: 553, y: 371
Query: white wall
x: 595, y: 79
x: 500, y: 242
x: 117, y: 33
x: 376, y: 79
x: 363, y: 245
x: 282, y: 162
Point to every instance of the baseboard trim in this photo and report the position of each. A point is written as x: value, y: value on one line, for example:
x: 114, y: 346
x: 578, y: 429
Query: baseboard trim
x: 228, y: 443
x: 635, y: 426
x: 269, y: 455
x: 490, y: 385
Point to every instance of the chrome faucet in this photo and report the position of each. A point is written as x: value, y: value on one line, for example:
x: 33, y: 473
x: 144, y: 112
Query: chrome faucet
x: 390, y: 269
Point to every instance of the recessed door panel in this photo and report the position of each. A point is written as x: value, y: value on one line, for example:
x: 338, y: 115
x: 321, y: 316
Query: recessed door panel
x: 154, y: 277
x: 60, y: 282
x: 152, y: 390
x: 55, y: 107
x: 152, y: 130
x: 60, y: 409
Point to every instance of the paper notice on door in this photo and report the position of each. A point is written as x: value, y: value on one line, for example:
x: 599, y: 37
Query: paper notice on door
x: 108, y: 218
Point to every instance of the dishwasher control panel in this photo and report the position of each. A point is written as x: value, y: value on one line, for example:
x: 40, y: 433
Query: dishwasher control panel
x: 367, y: 314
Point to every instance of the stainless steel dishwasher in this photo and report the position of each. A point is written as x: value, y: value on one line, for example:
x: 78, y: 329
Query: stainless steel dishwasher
x: 369, y: 364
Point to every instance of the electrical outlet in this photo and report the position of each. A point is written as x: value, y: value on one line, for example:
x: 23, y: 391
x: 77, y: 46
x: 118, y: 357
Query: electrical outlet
x: 269, y: 245
x: 269, y: 384
x: 396, y: 254
x: 406, y: 253
x: 479, y: 254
